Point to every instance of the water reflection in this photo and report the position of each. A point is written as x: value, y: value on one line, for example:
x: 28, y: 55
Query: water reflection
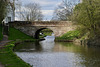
x: 50, y: 38
x: 47, y: 46
x: 58, y: 54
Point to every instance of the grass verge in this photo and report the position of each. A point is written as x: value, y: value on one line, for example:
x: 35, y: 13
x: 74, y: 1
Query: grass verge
x: 15, y: 34
x: 71, y: 35
x: 9, y: 58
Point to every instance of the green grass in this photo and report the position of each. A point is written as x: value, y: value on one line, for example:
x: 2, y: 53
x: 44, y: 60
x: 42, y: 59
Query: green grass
x: 9, y: 58
x: 15, y: 34
x: 1, y: 35
x: 70, y: 35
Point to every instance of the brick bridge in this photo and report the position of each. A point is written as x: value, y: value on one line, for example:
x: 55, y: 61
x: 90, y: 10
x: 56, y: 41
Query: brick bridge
x: 33, y: 28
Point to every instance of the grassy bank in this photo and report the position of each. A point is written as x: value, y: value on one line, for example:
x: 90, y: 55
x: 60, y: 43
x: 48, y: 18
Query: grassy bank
x: 1, y: 35
x: 9, y: 58
x: 15, y: 34
x: 69, y: 36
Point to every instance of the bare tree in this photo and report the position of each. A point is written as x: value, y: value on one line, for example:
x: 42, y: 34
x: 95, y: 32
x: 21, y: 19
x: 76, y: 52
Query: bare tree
x: 64, y: 10
x: 31, y: 12
x: 12, y: 6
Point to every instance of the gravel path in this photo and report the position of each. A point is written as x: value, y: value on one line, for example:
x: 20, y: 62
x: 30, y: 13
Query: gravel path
x: 2, y: 43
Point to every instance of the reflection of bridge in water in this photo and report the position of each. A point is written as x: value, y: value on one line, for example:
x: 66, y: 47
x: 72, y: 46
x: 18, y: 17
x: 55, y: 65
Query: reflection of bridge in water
x: 34, y: 28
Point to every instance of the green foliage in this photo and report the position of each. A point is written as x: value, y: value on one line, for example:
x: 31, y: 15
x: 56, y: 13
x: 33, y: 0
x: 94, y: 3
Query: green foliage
x: 1, y: 35
x: 87, y: 15
x: 9, y: 58
x: 15, y: 34
x: 11, y: 45
x: 70, y: 35
x: 45, y: 32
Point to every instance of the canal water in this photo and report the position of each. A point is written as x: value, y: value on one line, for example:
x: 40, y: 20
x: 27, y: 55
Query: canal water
x: 58, y: 54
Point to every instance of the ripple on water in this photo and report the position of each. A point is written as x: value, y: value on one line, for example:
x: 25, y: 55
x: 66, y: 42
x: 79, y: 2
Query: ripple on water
x: 52, y: 59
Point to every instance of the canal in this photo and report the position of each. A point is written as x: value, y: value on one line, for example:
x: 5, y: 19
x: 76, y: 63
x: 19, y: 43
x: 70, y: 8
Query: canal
x: 58, y: 54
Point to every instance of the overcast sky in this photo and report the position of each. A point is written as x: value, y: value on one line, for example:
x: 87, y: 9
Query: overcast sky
x: 47, y: 6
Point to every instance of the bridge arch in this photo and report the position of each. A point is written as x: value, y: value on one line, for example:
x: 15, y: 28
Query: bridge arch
x: 37, y: 33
